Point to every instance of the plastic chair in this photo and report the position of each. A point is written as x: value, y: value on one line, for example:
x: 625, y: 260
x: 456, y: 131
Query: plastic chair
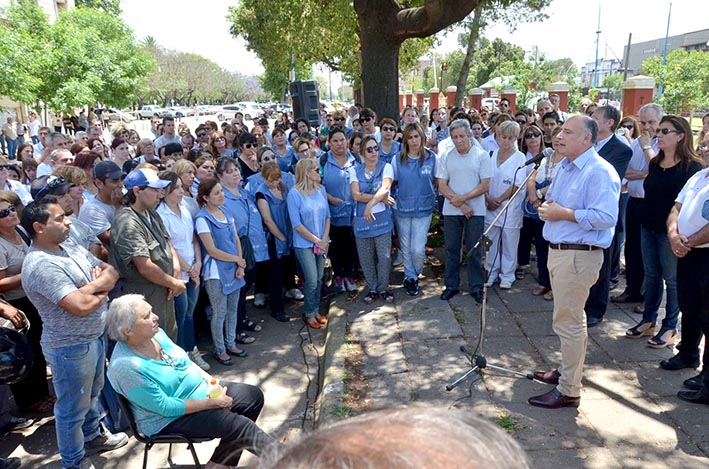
x: 149, y: 441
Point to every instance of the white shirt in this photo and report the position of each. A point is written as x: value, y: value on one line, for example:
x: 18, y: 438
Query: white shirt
x: 44, y: 169
x: 504, y: 178
x: 181, y: 229
x: 489, y: 143
x: 694, y: 197
x: 638, y: 162
x: 210, y: 271
x: 387, y: 172
x: 463, y: 174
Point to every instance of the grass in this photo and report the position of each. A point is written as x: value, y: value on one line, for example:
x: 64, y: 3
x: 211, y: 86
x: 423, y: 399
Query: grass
x: 509, y: 424
x: 342, y: 412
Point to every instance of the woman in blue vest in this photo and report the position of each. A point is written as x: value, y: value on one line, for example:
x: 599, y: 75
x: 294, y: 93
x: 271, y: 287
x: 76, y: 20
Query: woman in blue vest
x: 222, y: 267
x: 242, y: 206
x: 309, y: 214
x: 336, y: 180
x: 284, y: 152
x: 271, y: 202
x: 414, y: 171
x: 370, y: 184
x: 388, y: 148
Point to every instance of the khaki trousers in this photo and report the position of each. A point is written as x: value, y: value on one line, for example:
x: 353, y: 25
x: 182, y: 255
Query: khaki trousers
x: 572, y: 275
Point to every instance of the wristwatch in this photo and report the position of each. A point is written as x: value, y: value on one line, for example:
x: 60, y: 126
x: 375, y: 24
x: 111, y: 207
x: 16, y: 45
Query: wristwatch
x: 646, y: 147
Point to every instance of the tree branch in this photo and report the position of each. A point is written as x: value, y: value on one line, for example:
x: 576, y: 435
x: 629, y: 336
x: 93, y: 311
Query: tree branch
x: 431, y: 18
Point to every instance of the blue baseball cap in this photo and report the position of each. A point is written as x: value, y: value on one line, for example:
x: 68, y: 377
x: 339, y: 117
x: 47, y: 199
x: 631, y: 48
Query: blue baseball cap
x: 144, y: 177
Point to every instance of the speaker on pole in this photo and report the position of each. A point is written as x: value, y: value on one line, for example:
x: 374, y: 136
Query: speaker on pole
x: 306, y: 101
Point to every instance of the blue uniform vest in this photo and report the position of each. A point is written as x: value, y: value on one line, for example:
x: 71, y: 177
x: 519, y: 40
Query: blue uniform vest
x: 387, y: 157
x: 383, y: 223
x: 415, y: 194
x: 224, y: 236
x: 336, y: 181
x: 257, y: 234
x: 279, y: 214
x: 284, y: 163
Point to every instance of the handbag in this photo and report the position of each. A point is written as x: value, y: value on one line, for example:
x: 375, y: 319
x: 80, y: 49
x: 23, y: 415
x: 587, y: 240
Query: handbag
x: 247, y: 249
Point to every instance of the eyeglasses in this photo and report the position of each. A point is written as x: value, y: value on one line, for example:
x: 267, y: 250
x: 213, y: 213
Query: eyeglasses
x: 628, y: 126
x: 268, y: 157
x: 521, y: 122
x: 250, y: 145
x: 373, y: 149
x: 387, y: 128
x: 219, y: 139
x: 367, y: 119
x: 7, y: 211
x: 532, y: 134
x: 304, y: 150
x: 339, y: 119
x: 201, y: 134
x: 52, y: 183
x: 665, y: 131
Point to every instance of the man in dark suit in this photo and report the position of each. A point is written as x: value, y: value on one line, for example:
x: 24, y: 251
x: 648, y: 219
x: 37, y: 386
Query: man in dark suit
x: 618, y: 154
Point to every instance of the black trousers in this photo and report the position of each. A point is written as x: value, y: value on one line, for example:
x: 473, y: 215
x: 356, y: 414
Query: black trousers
x: 343, y: 251
x: 634, y: 271
x: 618, y: 238
x: 597, y: 301
x: 34, y: 387
x: 526, y: 236
x: 235, y: 426
x: 693, y: 297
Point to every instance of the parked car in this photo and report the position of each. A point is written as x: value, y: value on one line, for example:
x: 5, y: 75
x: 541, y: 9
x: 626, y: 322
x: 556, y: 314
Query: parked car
x: 182, y: 111
x: 251, y: 110
x: 150, y: 110
x: 115, y: 115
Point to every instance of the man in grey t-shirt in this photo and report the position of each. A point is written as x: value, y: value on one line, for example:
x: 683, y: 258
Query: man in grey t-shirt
x: 463, y: 179
x: 69, y: 288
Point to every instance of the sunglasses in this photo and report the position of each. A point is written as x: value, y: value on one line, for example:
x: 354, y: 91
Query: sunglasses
x: 521, y: 122
x: 268, y: 158
x: 219, y: 139
x: 304, y: 150
x: 6, y: 212
x: 627, y: 126
x: 387, y: 128
x: 250, y: 145
x: 532, y: 134
x: 367, y: 119
x: 201, y: 134
x: 339, y: 119
x: 665, y: 131
x: 373, y: 149
x: 52, y: 183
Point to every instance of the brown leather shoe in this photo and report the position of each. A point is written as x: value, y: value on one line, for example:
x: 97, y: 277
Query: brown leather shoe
x: 626, y: 298
x: 312, y: 323
x: 540, y: 290
x: 554, y: 400
x: 548, y: 377
x: 321, y: 319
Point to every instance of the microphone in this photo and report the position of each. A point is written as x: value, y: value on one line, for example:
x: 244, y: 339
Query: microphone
x: 535, y: 161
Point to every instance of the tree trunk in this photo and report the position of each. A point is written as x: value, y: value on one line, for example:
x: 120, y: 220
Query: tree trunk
x: 462, y: 82
x: 380, y: 69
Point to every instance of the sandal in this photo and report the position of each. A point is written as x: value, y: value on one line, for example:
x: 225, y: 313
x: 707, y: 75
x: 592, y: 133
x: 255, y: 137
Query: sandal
x: 240, y: 353
x: 664, y: 338
x: 387, y: 297
x: 540, y: 290
x: 224, y: 362
x: 244, y: 338
x: 549, y: 296
x: 251, y: 326
x: 371, y: 297
x: 643, y: 328
x: 520, y: 272
x: 312, y: 323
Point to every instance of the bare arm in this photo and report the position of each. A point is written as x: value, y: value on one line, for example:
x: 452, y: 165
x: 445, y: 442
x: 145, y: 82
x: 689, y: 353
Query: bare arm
x: 90, y: 297
x: 9, y: 283
x: 105, y: 237
x: 214, y: 252
x: 634, y: 174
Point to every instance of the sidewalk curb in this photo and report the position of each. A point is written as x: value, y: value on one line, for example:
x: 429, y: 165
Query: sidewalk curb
x: 332, y: 386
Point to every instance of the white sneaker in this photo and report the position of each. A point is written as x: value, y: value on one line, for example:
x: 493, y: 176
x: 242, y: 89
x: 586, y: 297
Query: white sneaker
x: 259, y: 300
x: 490, y: 282
x: 505, y: 285
x: 350, y: 284
x: 197, y: 359
x: 294, y: 294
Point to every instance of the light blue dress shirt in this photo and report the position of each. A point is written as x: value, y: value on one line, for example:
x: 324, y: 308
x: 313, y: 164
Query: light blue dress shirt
x: 591, y: 187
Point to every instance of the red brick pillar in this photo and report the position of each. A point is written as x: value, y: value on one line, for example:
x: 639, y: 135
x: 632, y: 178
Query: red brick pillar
x: 451, y: 92
x: 419, y: 99
x: 433, y: 98
x: 562, y: 89
x: 476, y: 98
x: 409, y: 98
x: 637, y: 91
x: 511, y: 95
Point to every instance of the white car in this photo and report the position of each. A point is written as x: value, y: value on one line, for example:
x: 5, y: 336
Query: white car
x: 251, y: 110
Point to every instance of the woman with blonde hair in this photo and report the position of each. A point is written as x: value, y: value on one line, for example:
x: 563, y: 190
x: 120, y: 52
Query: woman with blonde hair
x: 187, y: 172
x: 77, y: 177
x: 309, y: 215
x: 145, y: 150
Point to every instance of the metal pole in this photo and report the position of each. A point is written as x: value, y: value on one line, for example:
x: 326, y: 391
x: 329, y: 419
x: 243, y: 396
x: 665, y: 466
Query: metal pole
x: 598, y: 35
x: 627, y: 58
x: 664, y: 52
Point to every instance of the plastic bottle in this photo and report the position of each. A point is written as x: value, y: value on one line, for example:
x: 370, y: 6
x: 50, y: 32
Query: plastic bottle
x: 214, y: 390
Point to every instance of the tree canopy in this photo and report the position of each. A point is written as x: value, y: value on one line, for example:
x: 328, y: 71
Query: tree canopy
x: 86, y: 56
x: 685, y: 79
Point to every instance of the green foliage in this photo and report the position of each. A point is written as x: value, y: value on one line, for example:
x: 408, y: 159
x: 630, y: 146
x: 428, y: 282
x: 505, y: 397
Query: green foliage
x: 86, y: 56
x: 109, y: 6
x: 685, y: 79
x: 614, y: 84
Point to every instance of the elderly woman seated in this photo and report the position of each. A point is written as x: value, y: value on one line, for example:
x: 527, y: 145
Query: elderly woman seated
x: 168, y: 392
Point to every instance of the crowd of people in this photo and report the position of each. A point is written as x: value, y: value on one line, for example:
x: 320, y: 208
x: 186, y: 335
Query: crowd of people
x: 89, y: 216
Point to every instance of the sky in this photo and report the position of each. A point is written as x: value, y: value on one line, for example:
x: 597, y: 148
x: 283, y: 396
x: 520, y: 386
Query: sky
x: 201, y: 27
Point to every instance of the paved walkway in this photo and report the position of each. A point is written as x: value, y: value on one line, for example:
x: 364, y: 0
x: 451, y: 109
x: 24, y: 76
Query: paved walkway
x: 629, y: 414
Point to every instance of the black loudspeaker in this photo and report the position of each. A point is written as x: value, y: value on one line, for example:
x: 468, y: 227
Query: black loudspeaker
x: 306, y: 101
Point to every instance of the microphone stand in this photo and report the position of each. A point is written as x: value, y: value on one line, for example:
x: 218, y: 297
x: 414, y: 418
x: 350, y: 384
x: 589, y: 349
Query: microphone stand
x: 477, y: 360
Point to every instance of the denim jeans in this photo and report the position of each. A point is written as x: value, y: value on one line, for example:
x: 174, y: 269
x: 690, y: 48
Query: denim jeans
x: 458, y: 230
x: 660, y: 264
x: 313, y: 268
x: 413, y: 233
x: 78, y: 380
x: 224, y: 310
x: 184, y: 315
x: 11, y: 148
